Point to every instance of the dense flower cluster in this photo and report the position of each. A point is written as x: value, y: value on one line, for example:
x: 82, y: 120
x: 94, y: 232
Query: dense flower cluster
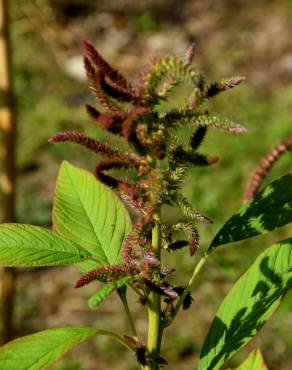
x: 156, y: 155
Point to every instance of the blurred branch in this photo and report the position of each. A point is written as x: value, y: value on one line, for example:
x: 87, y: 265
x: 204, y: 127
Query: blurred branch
x: 7, y: 155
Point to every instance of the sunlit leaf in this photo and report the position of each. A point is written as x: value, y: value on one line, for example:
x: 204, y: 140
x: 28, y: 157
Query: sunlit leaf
x: 249, y: 304
x: 40, y: 350
x: 104, y: 292
x: 89, y: 213
x: 270, y: 209
x: 27, y: 245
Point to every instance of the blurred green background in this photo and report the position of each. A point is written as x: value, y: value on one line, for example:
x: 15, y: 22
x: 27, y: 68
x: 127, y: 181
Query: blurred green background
x: 245, y: 37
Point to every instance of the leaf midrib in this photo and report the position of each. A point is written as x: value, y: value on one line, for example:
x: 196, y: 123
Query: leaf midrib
x: 87, y: 214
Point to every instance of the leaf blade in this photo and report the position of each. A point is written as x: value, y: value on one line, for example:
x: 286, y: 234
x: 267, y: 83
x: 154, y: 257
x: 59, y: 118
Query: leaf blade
x: 270, y: 209
x: 28, y: 245
x: 248, y: 305
x: 96, y: 299
x: 40, y: 350
x: 89, y: 213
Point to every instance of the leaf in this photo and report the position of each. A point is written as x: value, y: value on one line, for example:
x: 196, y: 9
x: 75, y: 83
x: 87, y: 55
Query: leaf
x: 254, y: 361
x: 89, y: 265
x: 248, y: 305
x: 89, y: 213
x: 40, y: 350
x: 103, y: 293
x: 27, y: 245
x: 270, y: 209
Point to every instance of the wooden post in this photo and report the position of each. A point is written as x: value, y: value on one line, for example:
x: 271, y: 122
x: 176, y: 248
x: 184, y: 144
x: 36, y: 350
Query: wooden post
x: 7, y: 162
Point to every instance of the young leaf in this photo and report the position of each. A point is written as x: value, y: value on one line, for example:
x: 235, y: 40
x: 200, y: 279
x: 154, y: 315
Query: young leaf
x: 39, y: 351
x: 27, y: 245
x: 270, y: 209
x: 249, y: 304
x: 254, y: 361
x: 89, y: 213
x: 103, y: 293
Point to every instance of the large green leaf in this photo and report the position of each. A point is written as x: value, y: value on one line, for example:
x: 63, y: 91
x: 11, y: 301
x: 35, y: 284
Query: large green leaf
x: 27, y: 245
x: 103, y: 293
x: 249, y: 304
x: 89, y: 213
x: 270, y: 209
x: 39, y: 351
x: 254, y: 361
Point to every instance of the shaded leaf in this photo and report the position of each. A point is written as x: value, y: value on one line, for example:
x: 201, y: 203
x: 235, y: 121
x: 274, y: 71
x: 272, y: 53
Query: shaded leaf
x: 41, y: 350
x: 27, y: 245
x: 104, y: 292
x: 89, y: 213
x: 249, y: 304
x: 270, y: 209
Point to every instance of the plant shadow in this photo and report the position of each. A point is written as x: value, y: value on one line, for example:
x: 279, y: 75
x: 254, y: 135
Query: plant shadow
x: 248, y: 320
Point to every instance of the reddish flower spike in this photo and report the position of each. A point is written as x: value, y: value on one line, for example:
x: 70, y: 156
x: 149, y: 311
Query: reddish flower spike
x: 106, y: 68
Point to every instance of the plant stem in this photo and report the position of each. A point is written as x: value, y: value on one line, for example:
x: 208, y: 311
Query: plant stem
x: 139, y: 294
x: 117, y: 337
x: 7, y: 159
x: 154, y: 304
x: 188, y: 287
x: 129, y: 316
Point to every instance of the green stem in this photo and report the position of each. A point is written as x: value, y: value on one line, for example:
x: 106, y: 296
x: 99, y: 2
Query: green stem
x: 154, y: 304
x: 117, y: 337
x: 129, y: 316
x: 137, y: 291
x: 188, y: 287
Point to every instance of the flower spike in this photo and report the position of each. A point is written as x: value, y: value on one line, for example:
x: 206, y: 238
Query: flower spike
x: 106, y: 68
x: 88, y: 142
x: 267, y: 162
